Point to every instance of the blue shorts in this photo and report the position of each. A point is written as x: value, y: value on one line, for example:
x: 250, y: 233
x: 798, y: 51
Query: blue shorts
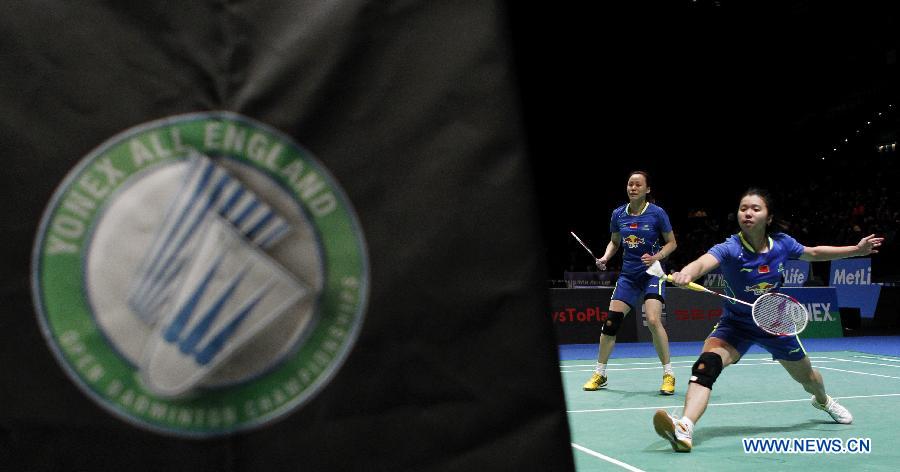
x: 741, y: 332
x: 634, y: 289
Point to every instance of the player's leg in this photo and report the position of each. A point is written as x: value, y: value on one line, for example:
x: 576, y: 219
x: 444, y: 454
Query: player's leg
x: 653, y: 308
x: 790, y: 353
x: 654, y: 299
x: 615, y: 315
x: 620, y: 304
x: 811, y: 380
x: 716, y: 355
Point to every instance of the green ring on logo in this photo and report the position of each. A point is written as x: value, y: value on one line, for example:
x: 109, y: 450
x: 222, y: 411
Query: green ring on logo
x: 86, y: 354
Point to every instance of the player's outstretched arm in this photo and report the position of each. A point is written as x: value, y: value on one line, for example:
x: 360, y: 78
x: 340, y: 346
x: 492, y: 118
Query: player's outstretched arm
x: 695, y: 270
x: 867, y: 245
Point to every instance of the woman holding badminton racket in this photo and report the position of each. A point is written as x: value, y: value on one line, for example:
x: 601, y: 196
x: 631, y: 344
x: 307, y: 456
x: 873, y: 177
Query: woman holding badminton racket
x: 639, y: 226
x: 752, y: 263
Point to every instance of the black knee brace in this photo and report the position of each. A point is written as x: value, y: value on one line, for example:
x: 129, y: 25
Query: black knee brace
x: 613, y: 322
x: 706, y: 369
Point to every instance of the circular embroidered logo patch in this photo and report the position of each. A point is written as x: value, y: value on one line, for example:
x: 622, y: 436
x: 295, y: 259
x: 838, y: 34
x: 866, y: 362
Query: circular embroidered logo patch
x: 200, y: 274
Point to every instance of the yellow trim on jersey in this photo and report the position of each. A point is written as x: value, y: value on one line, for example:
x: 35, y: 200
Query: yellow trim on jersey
x: 713, y: 330
x: 628, y: 207
x: 749, y: 247
x: 801, y: 344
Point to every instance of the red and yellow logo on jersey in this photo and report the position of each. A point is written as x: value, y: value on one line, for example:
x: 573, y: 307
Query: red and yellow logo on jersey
x: 759, y: 288
x: 632, y: 241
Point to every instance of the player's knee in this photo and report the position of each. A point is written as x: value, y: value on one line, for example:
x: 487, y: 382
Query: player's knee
x: 707, y: 369
x: 613, y: 322
x: 654, y: 322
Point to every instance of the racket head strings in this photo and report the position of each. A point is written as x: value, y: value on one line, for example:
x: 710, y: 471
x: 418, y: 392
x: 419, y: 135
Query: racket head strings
x: 780, y: 314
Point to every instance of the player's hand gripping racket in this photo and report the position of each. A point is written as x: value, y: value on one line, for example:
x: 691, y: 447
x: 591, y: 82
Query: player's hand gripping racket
x: 774, y: 313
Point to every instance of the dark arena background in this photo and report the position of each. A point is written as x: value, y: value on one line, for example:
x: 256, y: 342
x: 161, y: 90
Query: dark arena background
x: 428, y: 160
x: 710, y: 98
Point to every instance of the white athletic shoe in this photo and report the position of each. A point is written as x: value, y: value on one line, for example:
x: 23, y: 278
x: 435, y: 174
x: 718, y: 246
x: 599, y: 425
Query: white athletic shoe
x: 678, y: 433
x: 833, y: 408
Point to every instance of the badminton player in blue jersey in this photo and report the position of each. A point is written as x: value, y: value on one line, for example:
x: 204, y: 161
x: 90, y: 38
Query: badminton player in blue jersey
x: 643, y: 230
x: 752, y: 263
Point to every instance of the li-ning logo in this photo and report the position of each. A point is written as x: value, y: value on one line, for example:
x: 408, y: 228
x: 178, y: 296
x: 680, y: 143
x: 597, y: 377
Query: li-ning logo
x: 200, y: 275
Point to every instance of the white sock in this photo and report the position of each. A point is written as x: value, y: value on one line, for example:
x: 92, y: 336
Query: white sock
x: 667, y: 369
x: 687, y: 422
x: 601, y: 369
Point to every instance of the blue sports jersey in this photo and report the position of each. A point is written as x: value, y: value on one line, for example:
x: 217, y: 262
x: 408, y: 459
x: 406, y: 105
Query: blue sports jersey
x: 749, y: 274
x: 640, y: 234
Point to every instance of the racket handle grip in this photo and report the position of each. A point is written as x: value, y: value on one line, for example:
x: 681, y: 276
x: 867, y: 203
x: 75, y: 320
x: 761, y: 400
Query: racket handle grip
x: 693, y: 286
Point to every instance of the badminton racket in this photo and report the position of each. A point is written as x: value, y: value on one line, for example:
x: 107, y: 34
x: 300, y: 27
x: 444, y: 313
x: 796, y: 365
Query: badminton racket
x: 774, y: 313
x: 582, y: 244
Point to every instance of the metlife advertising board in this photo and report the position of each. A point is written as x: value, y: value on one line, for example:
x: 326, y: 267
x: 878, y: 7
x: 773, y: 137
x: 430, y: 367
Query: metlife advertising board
x: 853, y: 280
x: 796, y: 273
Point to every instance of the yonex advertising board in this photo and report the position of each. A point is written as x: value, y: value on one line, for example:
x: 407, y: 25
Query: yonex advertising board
x: 822, y: 306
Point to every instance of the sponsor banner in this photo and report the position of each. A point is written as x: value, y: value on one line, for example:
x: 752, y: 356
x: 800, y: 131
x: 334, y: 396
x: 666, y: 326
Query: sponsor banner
x: 687, y: 315
x: 590, y: 279
x: 578, y: 315
x: 853, y: 280
x: 691, y: 316
x: 796, y: 273
x: 822, y: 305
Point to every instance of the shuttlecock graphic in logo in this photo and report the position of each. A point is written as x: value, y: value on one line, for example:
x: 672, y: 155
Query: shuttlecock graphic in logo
x: 209, y: 190
x: 206, y: 285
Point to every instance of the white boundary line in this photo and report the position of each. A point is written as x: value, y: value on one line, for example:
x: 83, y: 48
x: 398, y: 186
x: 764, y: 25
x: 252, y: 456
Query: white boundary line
x: 740, y: 364
x: 860, y: 373
x: 627, y: 363
x: 863, y: 362
x: 603, y: 410
x: 767, y: 360
x: 607, y: 458
x: 878, y: 358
